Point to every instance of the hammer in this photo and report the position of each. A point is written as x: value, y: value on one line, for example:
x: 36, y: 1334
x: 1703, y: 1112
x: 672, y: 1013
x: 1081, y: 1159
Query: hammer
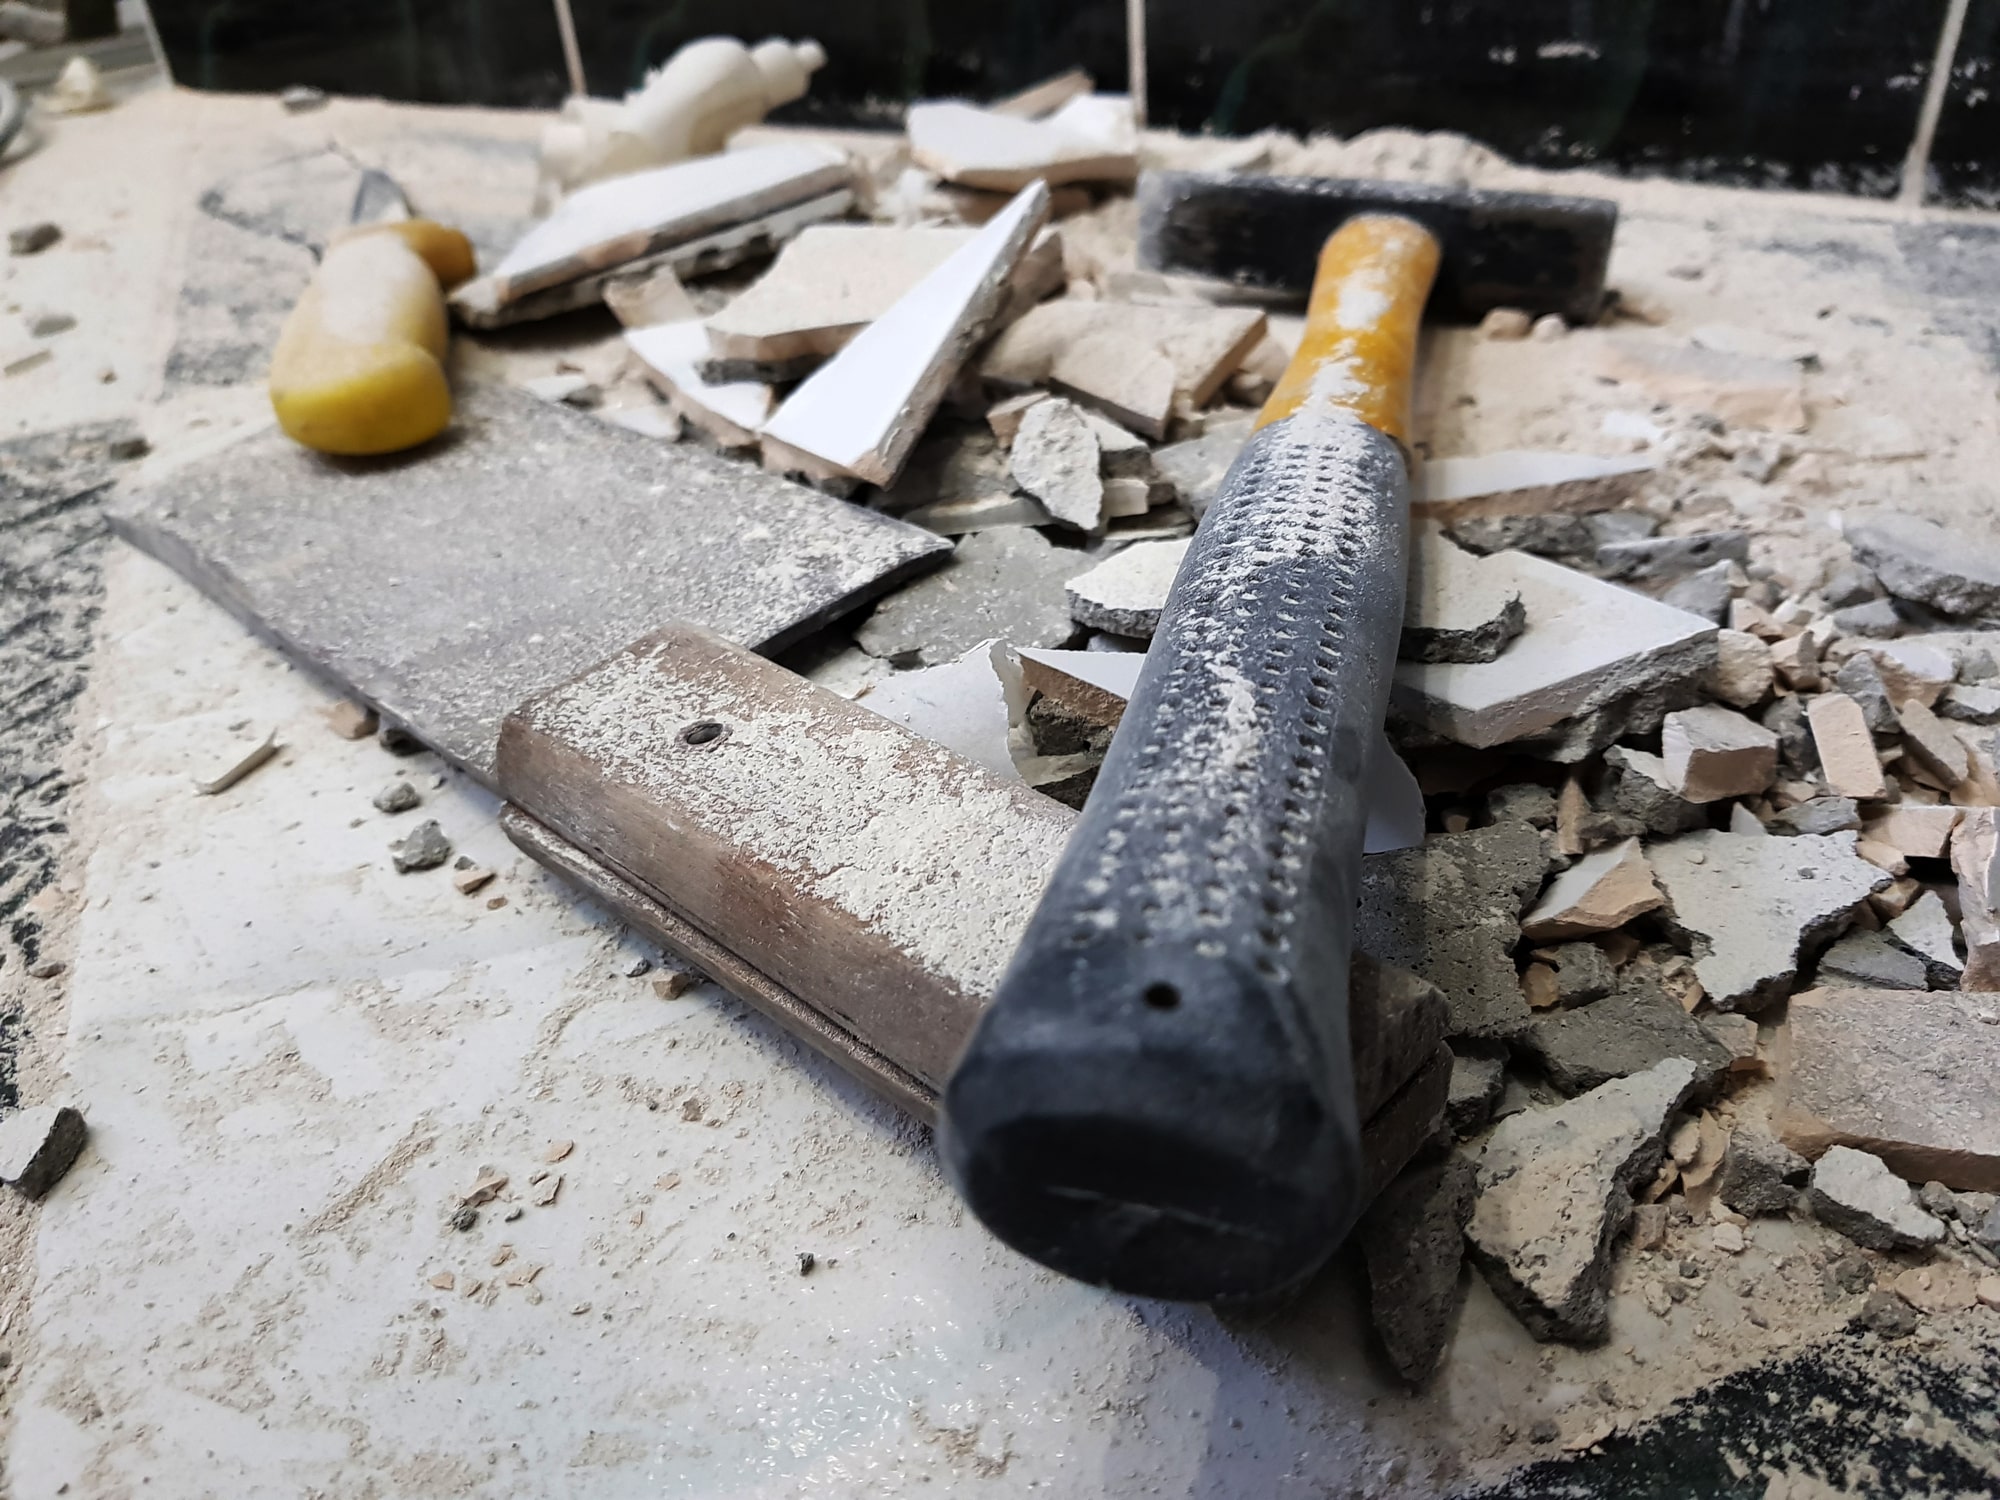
x: 1161, y: 1097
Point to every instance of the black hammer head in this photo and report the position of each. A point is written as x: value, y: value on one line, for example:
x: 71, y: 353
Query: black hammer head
x: 1535, y: 251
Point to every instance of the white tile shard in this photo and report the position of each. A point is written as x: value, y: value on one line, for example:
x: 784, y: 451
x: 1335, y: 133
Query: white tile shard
x: 1528, y: 482
x: 1596, y: 661
x: 861, y: 413
x: 1125, y: 593
x: 624, y: 218
x: 1091, y: 138
x: 732, y: 413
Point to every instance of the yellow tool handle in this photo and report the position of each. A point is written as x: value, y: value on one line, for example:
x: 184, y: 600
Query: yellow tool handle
x: 1359, y: 349
x: 359, y: 366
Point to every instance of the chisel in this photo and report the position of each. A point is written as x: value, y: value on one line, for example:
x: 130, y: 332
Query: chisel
x: 1160, y: 1098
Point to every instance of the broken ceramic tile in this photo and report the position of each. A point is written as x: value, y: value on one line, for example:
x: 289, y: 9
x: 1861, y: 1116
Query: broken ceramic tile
x: 1596, y: 662
x: 1555, y: 1186
x: 1932, y: 746
x: 1712, y: 753
x: 610, y: 223
x: 1975, y: 860
x: 477, y: 303
x: 1126, y: 593
x: 1458, y: 607
x: 1527, y: 483
x: 1910, y: 1083
x: 863, y: 411
x: 960, y: 704
x: 1955, y: 571
x: 1757, y: 902
x: 1091, y: 138
x: 1846, y: 748
x: 1744, y: 390
x: 1926, y: 929
x: 1856, y: 1194
x: 1111, y: 355
x: 833, y: 281
x: 1599, y: 893
x: 732, y: 412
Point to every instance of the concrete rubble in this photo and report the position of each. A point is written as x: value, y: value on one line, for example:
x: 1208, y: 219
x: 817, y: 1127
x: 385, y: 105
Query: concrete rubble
x: 1555, y: 1188
x: 1854, y: 1193
x: 1054, y: 457
x: 1413, y: 1243
x: 1125, y: 594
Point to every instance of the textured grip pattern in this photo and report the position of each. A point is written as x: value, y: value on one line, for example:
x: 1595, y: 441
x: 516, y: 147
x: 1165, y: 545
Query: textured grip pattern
x: 1182, y: 989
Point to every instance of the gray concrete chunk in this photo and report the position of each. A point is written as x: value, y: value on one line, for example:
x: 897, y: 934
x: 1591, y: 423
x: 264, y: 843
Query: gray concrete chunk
x: 1761, y: 1175
x: 1627, y: 1032
x: 1953, y: 570
x: 1555, y: 1188
x: 1451, y: 911
x: 1413, y: 1243
x: 1869, y: 961
x: 1055, y: 458
x: 999, y: 585
x: 1657, y: 558
x: 1858, y: 1195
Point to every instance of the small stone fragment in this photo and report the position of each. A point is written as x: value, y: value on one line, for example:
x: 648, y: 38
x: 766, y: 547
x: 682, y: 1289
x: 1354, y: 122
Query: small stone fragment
x: 444, y: 1281
x: 423, y: 848
x: 1861, y: 680
x: 1795, y: 660
x: 1706, y: 593
x: 1638, y: 797
x: 1761, y: 1175
x: 1125, y: 594
x: 1505, y: 325
x: 1413, y: 1241
x: 1583, y: 972
x: 1956, y: 572
x: 398, y: 740
x: 1649, y: 1226
x: 1887, y: 1314
x: 1929, y: 742
x: 1875, y: 620
x: 32, y: 239
x: 1555, y: 1188
x: 1476, y: 1081
x: 1728, y: 1238
x: 1846, y: 749
x: 1855, y: 1194
x: 239, y: 764
x: 396, y: 797
x: 1742, y: 674
x: 1713, y: 753
x: 351, y: 720
x: 1988, y: 1291
x: 1004, y: 417
x: 1970, y: 705
x: 1600, y: 892
x: 1926, y: 930
x: 543, y: 1192
x: 47, y: 968
x: 301, y: 98
x: 1055, y: 458
x: 466, y: 882
x: 46, y: 325
x: 1913, y: 669
x: 464, y: 1219
x: 38, y: 1145
x: 1853, y: 1273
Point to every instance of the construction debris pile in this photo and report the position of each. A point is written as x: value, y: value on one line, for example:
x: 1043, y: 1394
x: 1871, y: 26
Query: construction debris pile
x: 1706, y: 867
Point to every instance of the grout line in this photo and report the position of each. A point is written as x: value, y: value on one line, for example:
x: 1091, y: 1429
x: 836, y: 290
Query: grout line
x: 572, y: 57
x: 1916, y: 167
x: 1135, y: 57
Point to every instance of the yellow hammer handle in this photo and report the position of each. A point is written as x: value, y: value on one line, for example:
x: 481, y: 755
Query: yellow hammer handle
x: 1360, y: 344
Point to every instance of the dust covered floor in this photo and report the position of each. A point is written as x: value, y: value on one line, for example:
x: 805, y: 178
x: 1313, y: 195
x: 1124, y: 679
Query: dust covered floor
x: 297, y: 1062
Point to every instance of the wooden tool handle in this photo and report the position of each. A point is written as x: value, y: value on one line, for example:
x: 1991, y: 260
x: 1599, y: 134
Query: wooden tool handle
x: 1161, y: 1096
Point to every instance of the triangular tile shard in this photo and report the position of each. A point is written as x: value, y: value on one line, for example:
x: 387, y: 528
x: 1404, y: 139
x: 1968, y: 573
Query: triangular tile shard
x: 860, y: 415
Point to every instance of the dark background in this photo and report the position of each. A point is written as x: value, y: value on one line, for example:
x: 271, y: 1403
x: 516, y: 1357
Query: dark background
x: 1793, y: 93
